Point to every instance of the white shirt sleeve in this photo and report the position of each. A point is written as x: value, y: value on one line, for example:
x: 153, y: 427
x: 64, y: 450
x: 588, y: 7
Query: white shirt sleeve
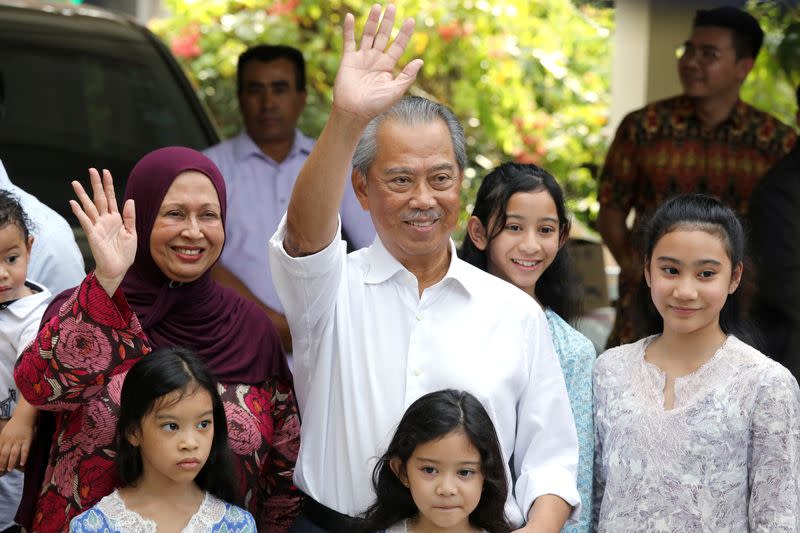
x: 546, y: 448
x: 307, y: 286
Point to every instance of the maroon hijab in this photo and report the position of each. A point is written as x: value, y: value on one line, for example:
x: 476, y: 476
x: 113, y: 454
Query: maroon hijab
x: 232, y: 334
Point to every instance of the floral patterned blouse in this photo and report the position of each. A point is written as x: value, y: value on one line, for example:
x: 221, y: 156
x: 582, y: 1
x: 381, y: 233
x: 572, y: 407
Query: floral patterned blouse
x: 76, y: 367
x: 576, y: 355
x: 111, y: 516
x: 726, y: 458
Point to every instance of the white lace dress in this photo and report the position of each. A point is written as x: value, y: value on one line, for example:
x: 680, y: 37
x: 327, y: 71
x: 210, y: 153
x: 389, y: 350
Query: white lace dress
x: 111, y: 516
x: 726, y: 458
x: 402, y: 527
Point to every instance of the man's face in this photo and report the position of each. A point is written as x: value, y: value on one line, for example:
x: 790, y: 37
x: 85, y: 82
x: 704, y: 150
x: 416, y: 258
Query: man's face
x: 708, y: 67
x: 269, y: 101
x: 412, y: 190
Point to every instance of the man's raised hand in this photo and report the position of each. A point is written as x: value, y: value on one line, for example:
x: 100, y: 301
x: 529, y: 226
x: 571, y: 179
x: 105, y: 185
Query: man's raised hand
x: 365, y: 84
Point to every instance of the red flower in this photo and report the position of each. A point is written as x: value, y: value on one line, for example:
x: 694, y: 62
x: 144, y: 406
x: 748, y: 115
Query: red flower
x: 100, y: 421
x: 96, y: 479
x: 186, y: 45
x: 51, y: 513
x: 258, y: 402
x: 243, y: 436
x: 30, y: 379
x: 450, y: 31
x: 285, y: 7
x: 67, y: 463
x: 83, y: 348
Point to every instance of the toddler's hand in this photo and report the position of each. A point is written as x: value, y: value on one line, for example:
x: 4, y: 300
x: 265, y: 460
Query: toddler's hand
x: 15, y: 442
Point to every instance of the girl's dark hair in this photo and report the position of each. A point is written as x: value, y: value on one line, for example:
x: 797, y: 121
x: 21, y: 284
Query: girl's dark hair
x: 555, y: 288
x: 165, y: 371
x: 432, y: 417
x: 11, y: 212
x: 699, y: 212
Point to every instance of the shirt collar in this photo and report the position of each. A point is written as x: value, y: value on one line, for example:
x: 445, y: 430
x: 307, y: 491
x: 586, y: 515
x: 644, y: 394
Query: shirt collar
x: 24, y: 306
x: 382, y: 265
x: 738, y: 116
x: 244, y: 146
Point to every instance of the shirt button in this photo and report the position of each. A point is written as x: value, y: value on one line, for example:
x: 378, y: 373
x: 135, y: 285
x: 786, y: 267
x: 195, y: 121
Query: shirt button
x: 419, y: 318
x: 417, y: 372
x: 283, y: 199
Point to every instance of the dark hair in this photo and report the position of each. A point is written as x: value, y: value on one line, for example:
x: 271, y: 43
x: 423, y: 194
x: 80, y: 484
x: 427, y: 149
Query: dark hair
x: 165, y: 371
x: 747, y: 33
x: 705, y: 213
x: 554, y: 288
x: 272, y: 52
x: 432, y: 417
x: 11, y: 212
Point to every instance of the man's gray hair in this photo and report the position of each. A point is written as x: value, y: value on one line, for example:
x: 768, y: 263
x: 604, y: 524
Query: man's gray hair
x: 410, y: 110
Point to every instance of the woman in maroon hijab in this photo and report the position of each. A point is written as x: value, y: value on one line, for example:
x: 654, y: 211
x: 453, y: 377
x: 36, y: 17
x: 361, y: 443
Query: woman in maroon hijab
x: 151, y: 287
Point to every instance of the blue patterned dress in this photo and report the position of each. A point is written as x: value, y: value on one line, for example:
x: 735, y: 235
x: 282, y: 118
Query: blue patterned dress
x: 111, y: 516
x: 576, y: 354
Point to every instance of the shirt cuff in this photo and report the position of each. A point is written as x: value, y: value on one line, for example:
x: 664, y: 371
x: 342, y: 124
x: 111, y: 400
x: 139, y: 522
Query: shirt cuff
x: 307, y: 266
x: 548, y: 480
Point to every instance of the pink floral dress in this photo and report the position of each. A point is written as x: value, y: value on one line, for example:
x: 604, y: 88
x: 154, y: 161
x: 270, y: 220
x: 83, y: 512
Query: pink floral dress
x: 76, y: 367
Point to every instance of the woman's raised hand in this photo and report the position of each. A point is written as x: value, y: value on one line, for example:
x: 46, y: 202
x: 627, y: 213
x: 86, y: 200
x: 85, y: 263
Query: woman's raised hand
x: 112, y: 237
x: 365, y: 84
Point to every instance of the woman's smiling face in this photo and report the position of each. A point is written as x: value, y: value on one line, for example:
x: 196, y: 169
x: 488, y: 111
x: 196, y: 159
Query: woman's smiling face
x: 188, y: 233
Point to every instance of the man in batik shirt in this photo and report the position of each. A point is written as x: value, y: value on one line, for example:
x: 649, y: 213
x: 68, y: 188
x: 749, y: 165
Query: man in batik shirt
x: 704, y: 140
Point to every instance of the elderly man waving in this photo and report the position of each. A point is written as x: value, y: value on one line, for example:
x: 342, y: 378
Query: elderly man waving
x: 378, y: 328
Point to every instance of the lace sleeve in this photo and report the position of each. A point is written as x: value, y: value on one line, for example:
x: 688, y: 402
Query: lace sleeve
x: 774, y: 468
x: 599, y: 473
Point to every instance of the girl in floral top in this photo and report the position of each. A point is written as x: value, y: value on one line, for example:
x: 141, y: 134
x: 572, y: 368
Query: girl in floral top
x: 517, y: 232
x: 695, y: 429
x: 172, y: 457
x: 151, y: 288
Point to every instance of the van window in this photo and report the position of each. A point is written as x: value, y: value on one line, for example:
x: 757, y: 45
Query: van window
x: 80, y: 99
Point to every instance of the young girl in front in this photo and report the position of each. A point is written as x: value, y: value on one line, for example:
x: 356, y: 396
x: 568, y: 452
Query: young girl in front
x: 172, y: 456
x: 443, y: 471
x: 517, y: 232
x: 22, y: 303
x: 695, y: 429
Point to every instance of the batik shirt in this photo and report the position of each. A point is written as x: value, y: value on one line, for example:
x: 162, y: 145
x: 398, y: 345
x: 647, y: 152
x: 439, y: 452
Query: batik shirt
x: 663, y: 150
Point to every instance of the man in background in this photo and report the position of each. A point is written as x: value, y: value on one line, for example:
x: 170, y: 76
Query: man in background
x: 705, y: 140
x: 260, y: 166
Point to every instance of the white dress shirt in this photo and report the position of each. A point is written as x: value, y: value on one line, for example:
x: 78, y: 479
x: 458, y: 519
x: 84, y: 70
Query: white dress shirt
x: 19, y: 324
x: 259, y: 189
x: 56, y: 262
x: 366, y: 345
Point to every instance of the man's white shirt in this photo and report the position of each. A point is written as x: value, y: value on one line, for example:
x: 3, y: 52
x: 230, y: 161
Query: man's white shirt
x: 366, y: 345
